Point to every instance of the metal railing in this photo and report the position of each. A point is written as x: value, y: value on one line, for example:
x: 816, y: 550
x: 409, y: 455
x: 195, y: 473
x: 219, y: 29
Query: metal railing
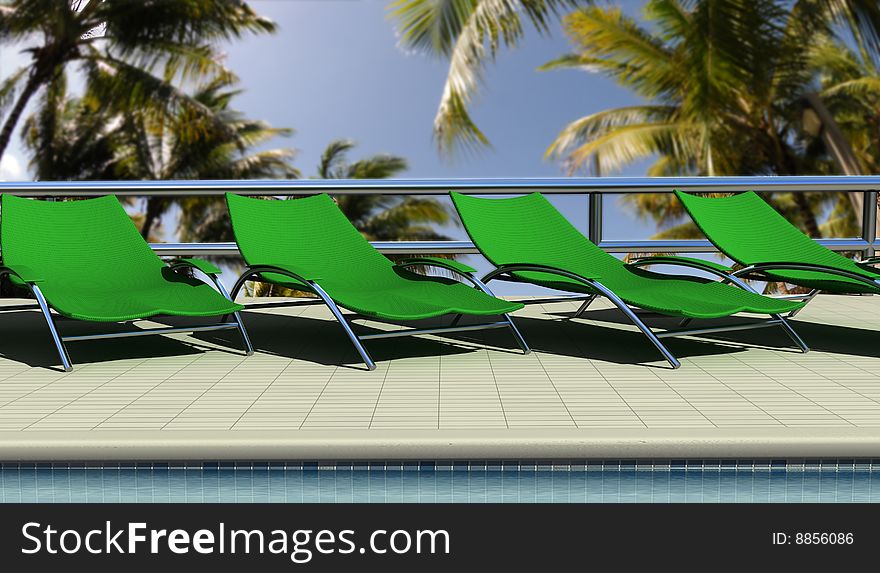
x: 593, y: 187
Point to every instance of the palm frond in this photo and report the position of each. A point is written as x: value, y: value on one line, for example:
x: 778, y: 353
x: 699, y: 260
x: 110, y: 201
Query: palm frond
x: 334, y: 155
x: 469, y: 33
x: 633, y: 55
x: 134, y: 25
x: 859, y: 87
x: 598, y: 124
x: 376, y: 167
x: 10, y: 87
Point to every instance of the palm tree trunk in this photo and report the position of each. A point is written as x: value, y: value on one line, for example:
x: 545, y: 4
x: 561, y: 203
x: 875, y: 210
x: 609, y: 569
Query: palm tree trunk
x: 809, y: 218
x: 155, y: 207
x: 784, y: 167
x: 33, y: 84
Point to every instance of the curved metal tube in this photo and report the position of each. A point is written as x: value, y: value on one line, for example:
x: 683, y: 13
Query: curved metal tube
x: 248, y: 348
x: 733, y: 278
x: 322, y: 294
x: 255, y: 270
x: 539, y: 268
x: 517, y: 335
x: 728, y: 277
x: 365, y: 356
x: 50, y: 322
x: 513, y: 329
x: 874, y: 283
x: 602, y: 289
x: 53, y: 330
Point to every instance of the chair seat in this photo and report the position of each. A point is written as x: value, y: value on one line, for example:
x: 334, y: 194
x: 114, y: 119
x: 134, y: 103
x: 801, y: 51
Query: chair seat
x: 404, y: 295
x: 174, y: 296
x: 683, y: 297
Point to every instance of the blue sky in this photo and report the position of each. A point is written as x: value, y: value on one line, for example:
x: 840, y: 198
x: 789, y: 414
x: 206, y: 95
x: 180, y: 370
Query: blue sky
x: 335, y: 70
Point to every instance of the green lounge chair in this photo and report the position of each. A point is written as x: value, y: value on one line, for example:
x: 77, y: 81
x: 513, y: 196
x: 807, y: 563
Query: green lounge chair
x: 309, y: 245
x: 528, y: 240
x: 87, y: 261
x: 753, y: 234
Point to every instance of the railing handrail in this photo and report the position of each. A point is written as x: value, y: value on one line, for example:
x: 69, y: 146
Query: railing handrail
x: 593, y: 187
x: 574, y: 185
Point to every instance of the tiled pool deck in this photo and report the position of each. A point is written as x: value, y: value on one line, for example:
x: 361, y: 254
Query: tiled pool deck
x: 592, y: 388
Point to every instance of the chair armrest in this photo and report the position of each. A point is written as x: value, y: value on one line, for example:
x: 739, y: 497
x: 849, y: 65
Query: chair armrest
x: 202, y: 265
x: 711, y: 266
x: 540, y: 268
x: 23, y: 272
x: 450, y: 264
x: 284, y: 269
x: 769, y: 267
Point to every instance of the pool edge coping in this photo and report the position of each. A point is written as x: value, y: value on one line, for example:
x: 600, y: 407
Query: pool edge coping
x: 692, y: 443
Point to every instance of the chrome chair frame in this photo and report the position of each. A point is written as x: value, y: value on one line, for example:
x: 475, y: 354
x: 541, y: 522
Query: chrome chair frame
x: 654, y: 337
x: 59, y: 340
x: 358, y: 340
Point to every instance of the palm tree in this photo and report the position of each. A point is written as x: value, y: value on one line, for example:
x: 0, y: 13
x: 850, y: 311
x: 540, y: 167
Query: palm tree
x: 723, y: 81
x: 192, y: 145
x: 849, y: 86
x: 382, y: 217
x: 143, y: 48
x: 471, y: 32
x: 377, y: 217
x: 81, y: 139
x: 468, y: 33
x: 70, y: 138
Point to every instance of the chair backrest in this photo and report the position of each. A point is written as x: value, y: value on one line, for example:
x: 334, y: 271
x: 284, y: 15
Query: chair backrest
x: 528, y: 229
x: 749, y: 231
x: 310, y: 233
x: 91, y: 242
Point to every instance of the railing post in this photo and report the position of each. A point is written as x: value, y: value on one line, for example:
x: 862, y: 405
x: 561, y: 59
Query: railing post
x: 595, y: 214
x: 869, y: 222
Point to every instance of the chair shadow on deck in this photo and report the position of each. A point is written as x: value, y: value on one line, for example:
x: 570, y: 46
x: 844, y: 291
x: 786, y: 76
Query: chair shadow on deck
x: 580, y: 339
x: 830, y: 338
x: 24, y: 338
x: 323, y: 341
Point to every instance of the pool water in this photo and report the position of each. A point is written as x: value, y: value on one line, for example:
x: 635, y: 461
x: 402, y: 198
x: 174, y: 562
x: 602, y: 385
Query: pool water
x: 467, y: 482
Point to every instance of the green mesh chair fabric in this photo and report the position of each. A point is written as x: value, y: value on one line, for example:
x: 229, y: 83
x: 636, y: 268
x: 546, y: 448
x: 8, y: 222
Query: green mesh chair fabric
x: 314, y: 237
x: 94, y: 265
x: 529, y: 230
x: 748, y: 230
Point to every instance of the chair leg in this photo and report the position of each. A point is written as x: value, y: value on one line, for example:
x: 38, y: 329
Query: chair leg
x: 248, y: 348
x: 792, y: 333
x: 586, y: 304
x: 782, y: 322
x: 517, y: 335
x: 673, y: 361
x: 365, y: 356
x: 50, y: 322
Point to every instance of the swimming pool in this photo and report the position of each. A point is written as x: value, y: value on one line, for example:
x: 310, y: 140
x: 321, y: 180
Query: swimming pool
x: 832, y: 481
